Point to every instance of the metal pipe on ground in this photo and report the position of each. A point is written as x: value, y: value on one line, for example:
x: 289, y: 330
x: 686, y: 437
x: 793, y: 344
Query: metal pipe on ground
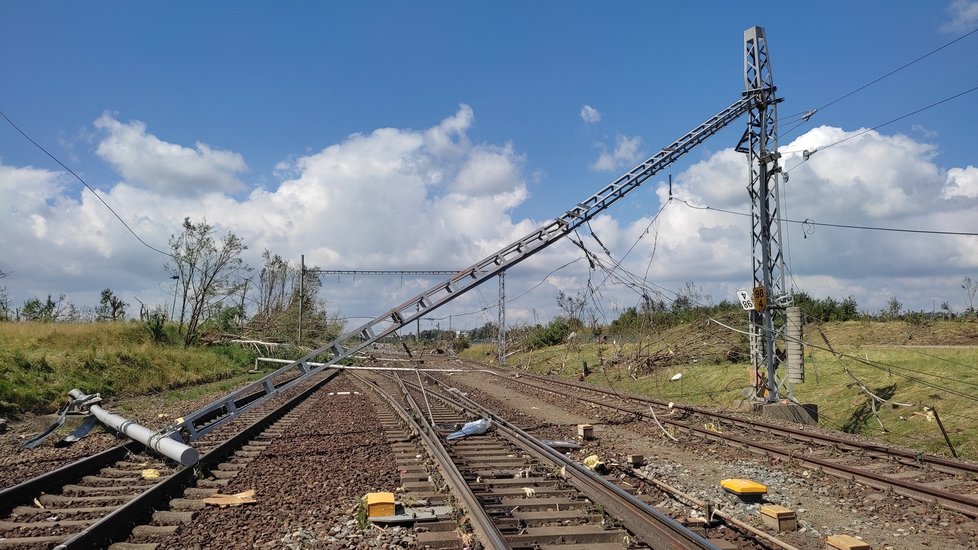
x: 162, y: 444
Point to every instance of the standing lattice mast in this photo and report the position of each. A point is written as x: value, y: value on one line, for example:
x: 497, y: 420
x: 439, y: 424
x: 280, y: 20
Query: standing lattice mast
x: 760, y: 143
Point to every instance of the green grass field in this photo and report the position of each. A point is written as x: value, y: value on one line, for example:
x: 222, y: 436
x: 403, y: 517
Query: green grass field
x: 40, y: 362
x: 933, y: 366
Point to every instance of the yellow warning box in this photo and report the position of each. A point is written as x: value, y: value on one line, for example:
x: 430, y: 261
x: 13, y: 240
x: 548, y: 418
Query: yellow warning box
x: 380, y: 504
x: 743, y: 487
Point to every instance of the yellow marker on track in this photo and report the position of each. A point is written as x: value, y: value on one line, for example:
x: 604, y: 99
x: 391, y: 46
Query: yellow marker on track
x: 743, y: 487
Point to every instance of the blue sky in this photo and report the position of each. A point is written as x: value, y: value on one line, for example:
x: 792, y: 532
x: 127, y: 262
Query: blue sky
x: 270, y: 86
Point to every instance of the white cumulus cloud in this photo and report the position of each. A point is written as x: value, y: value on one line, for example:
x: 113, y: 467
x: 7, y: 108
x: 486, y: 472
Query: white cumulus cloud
x: 625, y: 153
x: 961, y: 182
x: 434, y: 198
x: 962, y: 16
x: 590, y: 115
x: 146, y: 161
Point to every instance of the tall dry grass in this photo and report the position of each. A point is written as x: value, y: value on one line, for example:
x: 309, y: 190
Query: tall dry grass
x: 40, y: 362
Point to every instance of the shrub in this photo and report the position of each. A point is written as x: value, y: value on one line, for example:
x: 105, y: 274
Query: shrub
x: 156, y: 325
x: 551, y: 334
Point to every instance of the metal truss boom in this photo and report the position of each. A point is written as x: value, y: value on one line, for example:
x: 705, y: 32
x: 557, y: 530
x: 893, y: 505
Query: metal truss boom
x: 382, y: 271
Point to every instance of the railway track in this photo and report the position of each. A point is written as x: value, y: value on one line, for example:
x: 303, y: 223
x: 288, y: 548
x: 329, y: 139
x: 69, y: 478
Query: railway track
x: 520, y: 493
x: 923, y: 477
x: 516, y: 492
x: 97, y: 500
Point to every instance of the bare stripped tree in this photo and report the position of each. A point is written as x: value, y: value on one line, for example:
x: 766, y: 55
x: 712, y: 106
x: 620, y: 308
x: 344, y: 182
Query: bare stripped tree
x: 4, y: 301
x: 277, y: 296
x: 209, y: 272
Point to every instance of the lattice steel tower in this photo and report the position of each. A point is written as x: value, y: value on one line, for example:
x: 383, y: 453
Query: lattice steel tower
x: 760, y: 143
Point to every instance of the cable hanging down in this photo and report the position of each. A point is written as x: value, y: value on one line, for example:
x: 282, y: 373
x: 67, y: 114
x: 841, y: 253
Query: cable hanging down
x: 90, y: 188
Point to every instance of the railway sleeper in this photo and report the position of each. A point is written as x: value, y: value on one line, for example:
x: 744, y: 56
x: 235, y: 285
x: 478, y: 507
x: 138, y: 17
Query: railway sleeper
x: 31, y: 510
x: 20, y: 542
x: 431, y: 497
x: 98, y: 481
x: 539, y: 504
x: 185, y: 504
x: 520, y: 481
x: 151, y: 531
x: 56, y: 500
x: 131, y: 490
x: 15, y: 525
x: 534, y: 519
x: 526, y: 491
x: 574, y: 534
x: 133, y: 471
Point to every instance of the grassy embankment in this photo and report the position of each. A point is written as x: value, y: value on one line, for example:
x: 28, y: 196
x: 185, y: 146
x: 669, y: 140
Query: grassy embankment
x: 39, y: 363
x: 922, y: 365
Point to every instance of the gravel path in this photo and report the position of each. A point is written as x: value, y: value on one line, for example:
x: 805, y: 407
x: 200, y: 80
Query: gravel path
x: 308, y: 484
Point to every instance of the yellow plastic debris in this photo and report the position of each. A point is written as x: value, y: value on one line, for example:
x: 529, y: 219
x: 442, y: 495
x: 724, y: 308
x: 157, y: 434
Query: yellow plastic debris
x: 150, y: 473
x: 379, y: 504
x: 743, y: 487
x: 595, y: 463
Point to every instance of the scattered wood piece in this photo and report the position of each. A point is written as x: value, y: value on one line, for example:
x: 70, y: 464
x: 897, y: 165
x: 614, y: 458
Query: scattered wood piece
x: 246, y: 497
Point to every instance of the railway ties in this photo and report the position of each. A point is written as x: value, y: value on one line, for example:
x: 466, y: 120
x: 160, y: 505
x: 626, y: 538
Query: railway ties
x: 101, y: 499
x: 523, y: 493
x: 529, y: 501
x: 54, y: 518
x: 951, y: 484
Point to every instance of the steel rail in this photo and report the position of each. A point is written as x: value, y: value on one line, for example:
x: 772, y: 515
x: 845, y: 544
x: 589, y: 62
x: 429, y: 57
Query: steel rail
x: 485, y: 528
x: 653, y: 527
x: 23, y: 492
x: 939, y: 463
x: 918, y: 491
x: 116, y: 525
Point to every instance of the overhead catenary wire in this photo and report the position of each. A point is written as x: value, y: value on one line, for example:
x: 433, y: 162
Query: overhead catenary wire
x: 809, y: 221
x: 90, y: 188
x: 894, y: 71
x: 809, y: 153
x: 804, y: 116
